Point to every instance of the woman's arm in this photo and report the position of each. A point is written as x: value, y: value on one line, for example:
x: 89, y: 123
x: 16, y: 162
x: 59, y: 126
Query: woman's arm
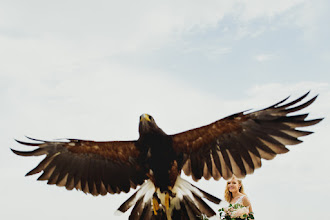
x: 247, y: 203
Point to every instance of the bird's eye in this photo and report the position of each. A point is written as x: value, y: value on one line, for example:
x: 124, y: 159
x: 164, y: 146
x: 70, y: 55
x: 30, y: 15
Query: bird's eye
x: 150, y: 117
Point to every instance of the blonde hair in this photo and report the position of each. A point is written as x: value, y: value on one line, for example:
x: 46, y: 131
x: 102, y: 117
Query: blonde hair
x: 228, y: 194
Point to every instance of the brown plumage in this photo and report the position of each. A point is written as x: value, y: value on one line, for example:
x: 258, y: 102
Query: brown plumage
x: 233, y: 145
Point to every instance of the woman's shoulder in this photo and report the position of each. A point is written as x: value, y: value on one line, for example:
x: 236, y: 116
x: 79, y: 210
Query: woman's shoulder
x: 245, y: 200
x: 242, y: 197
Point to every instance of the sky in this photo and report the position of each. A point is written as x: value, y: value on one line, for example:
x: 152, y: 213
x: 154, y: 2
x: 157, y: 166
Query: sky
x: 88, y: 70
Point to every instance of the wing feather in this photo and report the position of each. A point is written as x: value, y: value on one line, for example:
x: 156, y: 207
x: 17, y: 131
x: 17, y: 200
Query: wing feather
x: 92, y: 167
x: 236, y: 144
x: 216, y: 160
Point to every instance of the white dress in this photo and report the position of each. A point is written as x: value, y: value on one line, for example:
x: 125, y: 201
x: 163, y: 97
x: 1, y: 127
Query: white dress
x: 240, y: 200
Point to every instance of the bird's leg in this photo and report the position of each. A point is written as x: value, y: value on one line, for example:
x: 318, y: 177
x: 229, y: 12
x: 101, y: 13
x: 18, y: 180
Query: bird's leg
x: 167, y: 200
x: 168, y: 194
x: 155, y: 203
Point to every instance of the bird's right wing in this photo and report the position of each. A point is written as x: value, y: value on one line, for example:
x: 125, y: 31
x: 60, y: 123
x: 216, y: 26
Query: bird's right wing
x: 236, y: 144
x: 93, y: 167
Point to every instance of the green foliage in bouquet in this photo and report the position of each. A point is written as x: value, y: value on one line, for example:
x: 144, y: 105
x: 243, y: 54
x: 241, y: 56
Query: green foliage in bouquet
x: 236, y: 212
x: 203, y: 217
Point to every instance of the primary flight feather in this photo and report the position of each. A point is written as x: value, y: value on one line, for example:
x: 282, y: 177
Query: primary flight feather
x: 231, y: 146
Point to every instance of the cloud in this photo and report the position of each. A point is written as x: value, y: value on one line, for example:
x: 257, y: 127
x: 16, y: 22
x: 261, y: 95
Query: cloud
x: 60, y: 78
x: 264, y: 57
x: 257, y: 8
x: 312, y: 17
x: 61, y: 38
x: 124, y: 26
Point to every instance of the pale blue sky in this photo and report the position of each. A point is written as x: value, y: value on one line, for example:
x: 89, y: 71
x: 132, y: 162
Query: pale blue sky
x: 77, y: 69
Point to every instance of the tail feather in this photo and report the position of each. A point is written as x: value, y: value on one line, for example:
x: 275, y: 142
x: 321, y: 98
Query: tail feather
x: 128, y: 203
x: 192, y: 210
x: 181, y: 214
x: 143, y: 193
x: 186, y: 203
x: 204, y: 208
x: 147, y: 212
x: 137, y: 211
x: 208, y: 196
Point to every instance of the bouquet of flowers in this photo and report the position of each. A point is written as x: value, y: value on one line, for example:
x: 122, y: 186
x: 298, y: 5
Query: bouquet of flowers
x: 236, y: 211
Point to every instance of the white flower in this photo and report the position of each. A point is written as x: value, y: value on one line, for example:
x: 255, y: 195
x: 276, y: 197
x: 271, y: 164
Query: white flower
x: 240, y: 212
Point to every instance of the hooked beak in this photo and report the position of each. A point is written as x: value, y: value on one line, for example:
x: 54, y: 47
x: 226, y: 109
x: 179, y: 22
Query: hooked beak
x: 145, y: 117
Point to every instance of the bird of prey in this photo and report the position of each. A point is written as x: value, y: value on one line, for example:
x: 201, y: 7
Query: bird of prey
x: 230, y: 146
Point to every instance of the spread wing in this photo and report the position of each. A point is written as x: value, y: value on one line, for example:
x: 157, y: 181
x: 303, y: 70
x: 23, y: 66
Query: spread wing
x: 93, y: 167
x: 236, y: 144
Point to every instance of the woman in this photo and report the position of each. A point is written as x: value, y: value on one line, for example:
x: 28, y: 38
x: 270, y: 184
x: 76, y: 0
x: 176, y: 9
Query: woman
x: 234, y: 194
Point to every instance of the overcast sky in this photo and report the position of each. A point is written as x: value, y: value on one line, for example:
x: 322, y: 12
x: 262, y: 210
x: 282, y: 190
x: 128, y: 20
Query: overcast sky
x: 83, y: 69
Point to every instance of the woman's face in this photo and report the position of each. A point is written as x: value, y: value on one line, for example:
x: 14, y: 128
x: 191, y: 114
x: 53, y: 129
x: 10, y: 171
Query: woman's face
x: 233, y: 185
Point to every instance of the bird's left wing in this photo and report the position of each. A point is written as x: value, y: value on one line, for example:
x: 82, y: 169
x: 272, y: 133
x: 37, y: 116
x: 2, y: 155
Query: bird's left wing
x: 236, y: 144
x: 93, y: 167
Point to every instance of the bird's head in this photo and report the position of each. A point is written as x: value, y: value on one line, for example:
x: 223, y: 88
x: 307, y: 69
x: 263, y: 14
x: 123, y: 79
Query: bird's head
x: 148, y: 125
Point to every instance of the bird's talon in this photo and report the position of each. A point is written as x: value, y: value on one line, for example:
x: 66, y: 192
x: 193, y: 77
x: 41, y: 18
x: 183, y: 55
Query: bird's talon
x: 155, y: 205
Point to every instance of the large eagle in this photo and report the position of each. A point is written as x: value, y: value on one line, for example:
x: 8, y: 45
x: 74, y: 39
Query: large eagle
x: 231, y: 146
